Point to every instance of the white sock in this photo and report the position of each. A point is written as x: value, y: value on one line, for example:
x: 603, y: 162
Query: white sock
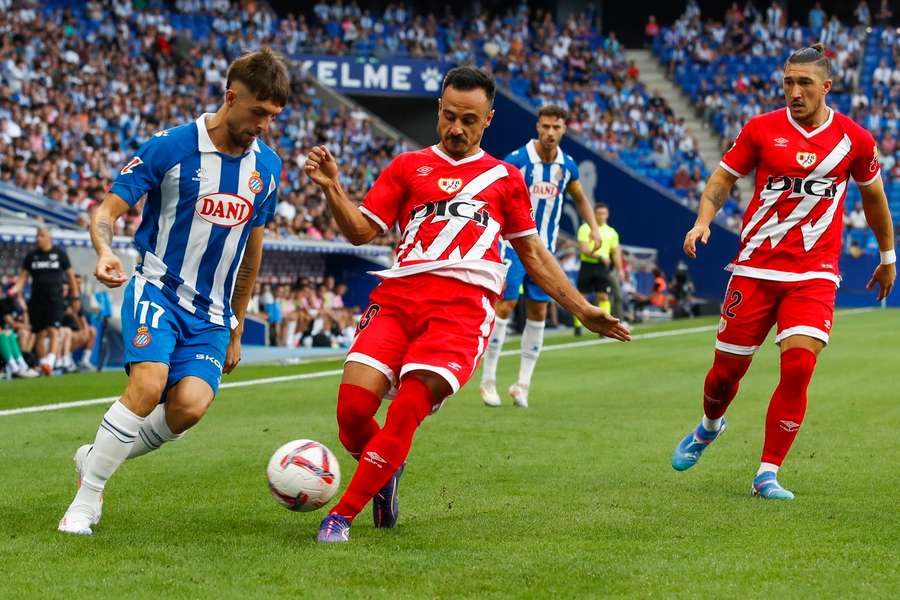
x: 153, y: 433
x: 115, y: 437
x: 86, y: 356
x: 711, y: 424
x: 763, y: 467
x: 532, y: 341
x: 67, y: 360
x: 49, y: 359
x: 291, y: 330
x: 495, y: 345
x: 22, y: 364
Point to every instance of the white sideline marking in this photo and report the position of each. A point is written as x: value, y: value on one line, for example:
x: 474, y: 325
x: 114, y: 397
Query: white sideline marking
x: 318, y: 374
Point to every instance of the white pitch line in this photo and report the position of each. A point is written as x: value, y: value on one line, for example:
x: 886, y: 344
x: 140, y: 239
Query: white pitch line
x: 318, y: 374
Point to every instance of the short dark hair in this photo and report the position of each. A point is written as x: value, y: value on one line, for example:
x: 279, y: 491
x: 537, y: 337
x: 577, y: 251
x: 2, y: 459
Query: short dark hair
x: 470, y: 78
x: 552, y: 110
x: 601, y: 205
x: 814, y: 54
x: 265, y: 74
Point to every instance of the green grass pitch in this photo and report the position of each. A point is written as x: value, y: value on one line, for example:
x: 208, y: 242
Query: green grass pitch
x: 573, y: 497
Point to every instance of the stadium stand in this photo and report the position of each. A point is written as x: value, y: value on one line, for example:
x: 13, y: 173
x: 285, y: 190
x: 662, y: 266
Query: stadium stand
x: 174, y: 59
x: 731, y: 70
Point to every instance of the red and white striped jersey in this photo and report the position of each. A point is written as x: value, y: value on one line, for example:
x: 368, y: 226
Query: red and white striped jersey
x: 792, y: 228
x: 451, y: 213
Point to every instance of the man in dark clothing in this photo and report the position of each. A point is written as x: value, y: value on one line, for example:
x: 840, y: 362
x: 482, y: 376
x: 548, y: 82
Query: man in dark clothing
x: 49, y: 268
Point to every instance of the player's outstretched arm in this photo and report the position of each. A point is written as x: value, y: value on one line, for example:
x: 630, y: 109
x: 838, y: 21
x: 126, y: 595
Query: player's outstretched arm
x: 322, y: 168
x: 546, y: 272
x: 109, y: 269
x: 240, y: 297
x: 878, y: 216
x: 718, y: 186
x: 586, y: 210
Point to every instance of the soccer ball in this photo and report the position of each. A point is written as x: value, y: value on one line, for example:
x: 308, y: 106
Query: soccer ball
x: 303, y: 475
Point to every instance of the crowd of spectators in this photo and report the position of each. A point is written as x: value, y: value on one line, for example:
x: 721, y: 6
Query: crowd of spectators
x: 82, y: 85
x: 80, y: 90
x: 732, y: 69
x: 308, y: 313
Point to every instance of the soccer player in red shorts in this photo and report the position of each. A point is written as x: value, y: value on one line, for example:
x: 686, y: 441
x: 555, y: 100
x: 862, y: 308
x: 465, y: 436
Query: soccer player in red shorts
x: 431, y: 316
x: 786, y: 272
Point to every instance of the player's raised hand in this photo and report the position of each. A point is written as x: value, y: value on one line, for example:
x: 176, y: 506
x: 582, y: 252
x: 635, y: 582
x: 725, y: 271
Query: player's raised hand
x: 600, y: 321
x: 884, y: 276
x: 321, y: 165
x: 697, y: 232
x: 109, y: 270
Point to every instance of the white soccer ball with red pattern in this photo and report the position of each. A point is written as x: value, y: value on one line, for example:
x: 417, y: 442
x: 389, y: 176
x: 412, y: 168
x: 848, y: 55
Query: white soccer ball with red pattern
x: 303, y: 475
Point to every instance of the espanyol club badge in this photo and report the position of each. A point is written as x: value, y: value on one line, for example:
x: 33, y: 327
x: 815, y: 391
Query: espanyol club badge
x: 806, y: 159
x: 141, y: 338
x: 256, y: 183
x: 450, y: 184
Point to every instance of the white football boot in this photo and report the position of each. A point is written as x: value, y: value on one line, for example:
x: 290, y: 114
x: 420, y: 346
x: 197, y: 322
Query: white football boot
x: 489, y: 393
x: 79, y: 518
x: 519, y: 394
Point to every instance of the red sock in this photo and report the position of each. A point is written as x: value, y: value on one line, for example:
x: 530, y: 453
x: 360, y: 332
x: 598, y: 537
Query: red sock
x: 788, y: 404
x: 356, y: 410
x: 387, y: 450
x: 722, y: 383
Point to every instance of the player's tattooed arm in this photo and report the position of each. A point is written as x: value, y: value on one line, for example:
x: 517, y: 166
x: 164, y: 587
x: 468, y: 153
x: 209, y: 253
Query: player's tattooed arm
x: 544, y: 270
x: 246, y: 275
x: 109, y: 269
x: 717, y: 189
x: 240, y: 297
x: 716, y: 192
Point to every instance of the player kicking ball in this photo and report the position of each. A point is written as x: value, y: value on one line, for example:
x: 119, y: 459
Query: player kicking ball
x: 431, y: 316
x: 549, y: 174
x: 786, y: 271
x: 211, y: 188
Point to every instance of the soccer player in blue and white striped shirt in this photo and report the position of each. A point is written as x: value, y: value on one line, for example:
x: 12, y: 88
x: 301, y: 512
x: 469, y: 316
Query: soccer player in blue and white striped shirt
x: 550, y: 174
x: 210, y: 188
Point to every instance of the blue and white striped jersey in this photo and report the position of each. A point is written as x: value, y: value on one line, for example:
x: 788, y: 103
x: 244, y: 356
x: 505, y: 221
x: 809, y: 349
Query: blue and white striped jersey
x: 547, y: 184
x: 201, y: 205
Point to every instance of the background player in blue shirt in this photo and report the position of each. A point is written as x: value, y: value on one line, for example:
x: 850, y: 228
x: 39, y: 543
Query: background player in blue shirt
x: 549, y: 174
x: 210, y: 187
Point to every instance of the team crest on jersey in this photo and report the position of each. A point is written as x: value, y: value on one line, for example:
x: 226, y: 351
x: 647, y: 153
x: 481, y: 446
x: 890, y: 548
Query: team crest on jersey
x: 129, y: 168
x: 450, y: 184
x: 806, y: 159
x: 224, y: 210
x: 141, y: 338
x: 873, y: 166
x: 256, y: 183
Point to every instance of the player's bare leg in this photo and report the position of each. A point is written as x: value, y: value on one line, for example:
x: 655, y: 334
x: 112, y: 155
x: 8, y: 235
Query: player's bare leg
x: 719, y: 389
x: 504, y: 311
x: 384, y: 455
x: 786, y: 411
x: 532, y: 342
x: 116, y: 435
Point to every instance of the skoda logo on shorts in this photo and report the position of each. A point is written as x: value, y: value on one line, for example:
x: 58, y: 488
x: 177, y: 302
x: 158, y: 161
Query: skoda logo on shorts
x: 224, y: 210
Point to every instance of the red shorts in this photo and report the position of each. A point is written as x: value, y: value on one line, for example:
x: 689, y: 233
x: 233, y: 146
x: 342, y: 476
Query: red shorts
x: 425, y: 322
x: 752, y: 306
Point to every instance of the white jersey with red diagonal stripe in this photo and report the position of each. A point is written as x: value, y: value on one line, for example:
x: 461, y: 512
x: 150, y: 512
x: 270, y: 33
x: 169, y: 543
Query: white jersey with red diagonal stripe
x: 451, y: 214
x: 792, y: 227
